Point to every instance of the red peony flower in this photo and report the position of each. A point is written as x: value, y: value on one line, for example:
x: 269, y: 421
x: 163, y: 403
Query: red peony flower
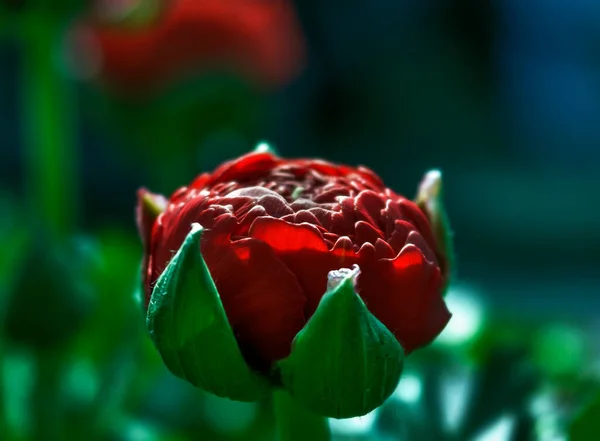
x: 275, y: 228
x: 259, y: 39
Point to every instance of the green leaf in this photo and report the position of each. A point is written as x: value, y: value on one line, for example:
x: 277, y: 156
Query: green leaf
x: 345, y: 362
x: 586, y: 425
x: 190, y: 329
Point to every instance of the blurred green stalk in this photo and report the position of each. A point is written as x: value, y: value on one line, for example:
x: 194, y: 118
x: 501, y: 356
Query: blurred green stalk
x: 50, y: 150
x: 50, y: 170
x: 296, y: 423
x: 48, y: 421
x: 4, y: 431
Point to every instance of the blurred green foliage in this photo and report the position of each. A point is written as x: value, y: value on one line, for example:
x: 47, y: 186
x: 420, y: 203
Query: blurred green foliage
x: 586, y: 426
x: 177, y: 120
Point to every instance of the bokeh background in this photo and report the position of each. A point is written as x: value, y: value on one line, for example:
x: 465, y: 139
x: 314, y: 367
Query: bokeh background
x: 100, y: 97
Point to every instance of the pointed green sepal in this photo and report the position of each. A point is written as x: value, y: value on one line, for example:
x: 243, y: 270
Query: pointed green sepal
x: 265, y: 147
x: 430, y: 200
x: 190, y: 329
x: 344, y: 363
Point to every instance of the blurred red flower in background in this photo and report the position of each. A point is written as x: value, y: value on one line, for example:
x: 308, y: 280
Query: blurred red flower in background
x: 275, y: 228
x: 142, y: 45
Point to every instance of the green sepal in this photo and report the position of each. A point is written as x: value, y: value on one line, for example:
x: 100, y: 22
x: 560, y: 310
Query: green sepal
x: 190, y: 329
x: 344, y: 363
x: 430, y: 200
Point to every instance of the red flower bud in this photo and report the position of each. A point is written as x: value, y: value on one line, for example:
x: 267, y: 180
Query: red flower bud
x: 275, y: 228
x: 258, y: 39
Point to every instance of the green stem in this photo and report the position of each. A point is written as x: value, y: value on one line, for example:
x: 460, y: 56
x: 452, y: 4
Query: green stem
x: 50, y: 184
x: 48, y: 134
x: 296, y: 423
x: 4, y: 429
x: 48, y: 423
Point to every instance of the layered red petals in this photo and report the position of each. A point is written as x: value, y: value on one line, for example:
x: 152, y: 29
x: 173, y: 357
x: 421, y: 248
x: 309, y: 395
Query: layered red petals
x: 261, y: 296
x: 404, y: 294
x: 303, y: 250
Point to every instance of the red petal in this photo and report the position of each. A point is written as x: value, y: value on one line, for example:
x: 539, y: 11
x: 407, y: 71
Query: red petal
x: 200, y: 182
x: 302, y: 248
x: 369, y: 207
x: 413, y: 213
x: 246, y: 167
x: 399, y: 235
x: 365, y: 232
x: 327, y: 218
x: 262, y: 298
x: 384, y: 250
x: 305, y: 216
x: 405, y: 295
x: 370, y: 175
x: 323, y: 167
x: 286, y: 237
x: 343, y: 243
x: 415, y: 238
x: 154, y: 269
x: 329, y: 195
x: 247, y: 219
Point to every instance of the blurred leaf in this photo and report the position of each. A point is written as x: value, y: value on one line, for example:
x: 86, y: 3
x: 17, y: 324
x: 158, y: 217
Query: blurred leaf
x: 560, y: 351
x: 506, y: 332
x: 129, y: 429
x: 416, y: 409
x: 504, y: 383
x: 14, y: 237
x: 114, y: 345
x: 586, y: 425
x: 17, y: 376
x: 165, y: 132
x: 115, y: 279
x: 524, y: 428
x: 52, y: 295
x: 56, y: 9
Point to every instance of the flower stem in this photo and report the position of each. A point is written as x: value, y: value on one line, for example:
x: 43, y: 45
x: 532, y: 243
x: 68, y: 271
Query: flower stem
x: 50, y: 178
x: 48, y: 423
x: 48, y: 136
x: 4, y: 429
x: 296, y: 423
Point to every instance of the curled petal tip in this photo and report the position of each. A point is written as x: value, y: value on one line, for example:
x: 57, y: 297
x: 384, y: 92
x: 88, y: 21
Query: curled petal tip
x: 265, y: 147
x: 429, y: 199
x: 149, y: 207
x: 196, y: 229
x: 336, y: 277
x: 430, y: 188
x: 150, y: 203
